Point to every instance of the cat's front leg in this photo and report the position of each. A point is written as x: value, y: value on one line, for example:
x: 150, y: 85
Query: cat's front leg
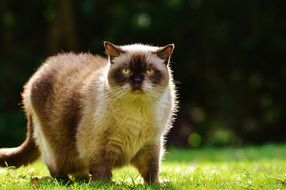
x: 100, y: 166
x: 147, y: 161
x: 105, y: 158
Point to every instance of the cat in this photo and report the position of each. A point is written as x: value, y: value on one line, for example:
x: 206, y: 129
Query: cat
x: 87, y: 114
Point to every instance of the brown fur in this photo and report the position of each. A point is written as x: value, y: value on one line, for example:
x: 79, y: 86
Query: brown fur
x: 58, y: 106
x: 18, y: 156
x: 147, y: 163
x: 82, y: 126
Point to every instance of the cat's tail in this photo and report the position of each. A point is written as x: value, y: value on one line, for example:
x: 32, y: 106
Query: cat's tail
x: 26, y: 153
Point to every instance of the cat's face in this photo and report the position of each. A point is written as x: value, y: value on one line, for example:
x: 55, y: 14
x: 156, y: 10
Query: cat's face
x: 139, y: 69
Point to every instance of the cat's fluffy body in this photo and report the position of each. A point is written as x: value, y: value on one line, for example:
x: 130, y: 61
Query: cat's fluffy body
x: 87, y: 118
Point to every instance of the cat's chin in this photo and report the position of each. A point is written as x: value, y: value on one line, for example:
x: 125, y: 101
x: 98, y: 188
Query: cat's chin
x: 139, y: 92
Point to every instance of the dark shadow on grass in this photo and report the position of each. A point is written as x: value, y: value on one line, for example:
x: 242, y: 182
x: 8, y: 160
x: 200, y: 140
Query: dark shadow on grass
x: 123, y: 185
x: 52, y: 182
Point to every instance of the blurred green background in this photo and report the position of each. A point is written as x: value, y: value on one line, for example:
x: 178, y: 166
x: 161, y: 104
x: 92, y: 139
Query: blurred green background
x: 229, y: 60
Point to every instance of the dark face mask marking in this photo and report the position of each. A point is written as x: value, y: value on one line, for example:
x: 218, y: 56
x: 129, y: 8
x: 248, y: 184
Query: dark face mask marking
x: 138, y: 67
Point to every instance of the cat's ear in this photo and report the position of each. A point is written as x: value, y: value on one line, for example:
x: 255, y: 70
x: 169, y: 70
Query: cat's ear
x: 112, y: 50
x: 165, y: 52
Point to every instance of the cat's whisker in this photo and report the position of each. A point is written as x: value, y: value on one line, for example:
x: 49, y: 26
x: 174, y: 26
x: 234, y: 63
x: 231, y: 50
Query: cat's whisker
x: 152, y: 93
x: 115, y: 96
x: 118, y: 96
x: 177, y: 82
x: 115, y: 91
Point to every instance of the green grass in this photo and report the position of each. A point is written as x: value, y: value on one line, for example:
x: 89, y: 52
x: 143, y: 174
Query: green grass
x: 226, y: 168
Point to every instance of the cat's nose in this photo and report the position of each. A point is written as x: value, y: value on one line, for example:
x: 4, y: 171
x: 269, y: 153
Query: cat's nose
x: 137, y: 79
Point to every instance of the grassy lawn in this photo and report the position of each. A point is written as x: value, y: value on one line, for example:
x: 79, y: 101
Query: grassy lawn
x: 208, y: 168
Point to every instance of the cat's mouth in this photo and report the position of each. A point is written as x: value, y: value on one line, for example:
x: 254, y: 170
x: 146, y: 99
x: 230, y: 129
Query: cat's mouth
x: 137, y: 91
x: 137, y: 88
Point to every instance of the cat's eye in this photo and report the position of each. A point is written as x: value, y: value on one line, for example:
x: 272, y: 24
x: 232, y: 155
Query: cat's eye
x: 126, y: 71
x: 149, y: 71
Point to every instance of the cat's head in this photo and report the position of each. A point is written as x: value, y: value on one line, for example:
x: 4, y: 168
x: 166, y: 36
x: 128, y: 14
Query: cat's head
x: 139, y: 69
